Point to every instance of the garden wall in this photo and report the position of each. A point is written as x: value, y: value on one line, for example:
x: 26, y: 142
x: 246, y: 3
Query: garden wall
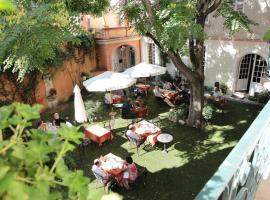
x: 49, y: 89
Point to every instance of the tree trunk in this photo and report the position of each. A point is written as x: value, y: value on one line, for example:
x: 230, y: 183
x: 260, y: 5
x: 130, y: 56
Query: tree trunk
x: 196, y: 80
x: 196, y: 104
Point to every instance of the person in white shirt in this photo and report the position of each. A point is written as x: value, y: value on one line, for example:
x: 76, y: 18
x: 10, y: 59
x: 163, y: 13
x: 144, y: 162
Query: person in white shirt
x: 97, y: 170
x: 157, y: 92
x: 108, y: 98
x: 132, y: 134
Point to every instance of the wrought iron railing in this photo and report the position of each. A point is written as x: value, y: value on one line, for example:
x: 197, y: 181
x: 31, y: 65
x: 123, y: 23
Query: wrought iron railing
x: 240, y: 174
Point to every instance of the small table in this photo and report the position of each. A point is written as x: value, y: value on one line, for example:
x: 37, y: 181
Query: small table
x: 165, y: 138
x: 97, y: 134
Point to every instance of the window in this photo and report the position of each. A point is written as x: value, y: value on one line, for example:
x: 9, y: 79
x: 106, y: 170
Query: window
x: 255, y: 64
x: 151, y: 53
x: 239, y: 5
x: 259, y: 69
x: 246, y: 64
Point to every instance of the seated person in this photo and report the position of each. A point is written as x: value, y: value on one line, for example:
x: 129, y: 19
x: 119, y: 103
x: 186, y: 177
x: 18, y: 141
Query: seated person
x: 183, y: 96
x: 108, y: 98
x: 57, y: 120
x: 216, y: 93
x: 127, y: 109
x: 157, y: 92
x: 177, y: 83
x: 169, y: 102
x: 132, y: 134
x: 42, y: 126
x: 97, y: 170
x: 167, y: 85
x: 139, y: 102
x: 131, y: 172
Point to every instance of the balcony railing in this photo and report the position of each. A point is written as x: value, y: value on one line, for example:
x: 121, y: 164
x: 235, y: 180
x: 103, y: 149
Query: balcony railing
x: 240, y: 174
x: 115, y: 32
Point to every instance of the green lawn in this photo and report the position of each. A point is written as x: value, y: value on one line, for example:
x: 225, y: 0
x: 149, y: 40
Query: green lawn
x: 193, y: 157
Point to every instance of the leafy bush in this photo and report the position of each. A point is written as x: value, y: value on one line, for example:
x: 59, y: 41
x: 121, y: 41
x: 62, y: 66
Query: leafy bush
x: 179, y: 113
x: 32, y: 161
x: 223, y: 88
x: 208, y: 112
x: 166, y: 77
x: 263, y: 97
x: 94, y: 110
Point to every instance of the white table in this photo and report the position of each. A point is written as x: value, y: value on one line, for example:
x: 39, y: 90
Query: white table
x: 165, y: 138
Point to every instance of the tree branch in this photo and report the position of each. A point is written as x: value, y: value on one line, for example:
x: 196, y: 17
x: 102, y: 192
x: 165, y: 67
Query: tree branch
x: 149, y: 11
x: 213, y: 7
x: 155, y: 41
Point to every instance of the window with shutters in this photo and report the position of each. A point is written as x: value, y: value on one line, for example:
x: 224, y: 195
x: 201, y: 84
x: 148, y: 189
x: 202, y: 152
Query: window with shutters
x: 239, y: 5
x: 151, y: 53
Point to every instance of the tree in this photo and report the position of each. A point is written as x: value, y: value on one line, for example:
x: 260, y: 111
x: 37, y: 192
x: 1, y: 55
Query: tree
x: 177, y: 28
x: 34, y: 33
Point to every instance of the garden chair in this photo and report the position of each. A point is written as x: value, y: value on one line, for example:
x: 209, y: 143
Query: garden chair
x: 100, y: 180
x: 140, y: 180
x: 135, y: 142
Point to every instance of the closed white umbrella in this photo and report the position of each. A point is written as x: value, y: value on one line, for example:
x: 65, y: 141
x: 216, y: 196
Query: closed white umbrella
x: 108, y: 81
x: 80, y: 113
x: 144, y: 70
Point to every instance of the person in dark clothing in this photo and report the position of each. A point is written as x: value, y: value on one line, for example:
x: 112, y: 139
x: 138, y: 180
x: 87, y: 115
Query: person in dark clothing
x: 183, y: 96
x: 57, y: 120
x: 127, y: 109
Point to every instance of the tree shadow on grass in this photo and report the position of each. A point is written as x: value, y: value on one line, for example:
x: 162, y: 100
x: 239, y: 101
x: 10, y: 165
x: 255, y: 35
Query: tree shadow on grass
x: 182, y: 182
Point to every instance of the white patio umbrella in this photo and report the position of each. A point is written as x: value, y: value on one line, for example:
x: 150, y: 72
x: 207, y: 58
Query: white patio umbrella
x: 108, y: 81
x: 144, y: 70
x: 80, y: 113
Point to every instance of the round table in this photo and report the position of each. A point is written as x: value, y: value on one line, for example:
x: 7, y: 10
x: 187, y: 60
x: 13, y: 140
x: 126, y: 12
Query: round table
x: 165, y: 138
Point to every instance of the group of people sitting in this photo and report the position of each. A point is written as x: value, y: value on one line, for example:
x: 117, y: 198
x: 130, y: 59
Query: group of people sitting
x: 174, y: 93
x: 136, y: 108
x: 128, y: 173
x: 56, y: 122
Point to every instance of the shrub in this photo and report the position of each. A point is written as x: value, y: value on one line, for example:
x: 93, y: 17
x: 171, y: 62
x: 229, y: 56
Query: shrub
x: 166, y: 77
x: 94, y: 110
x: 208, y: 112
x: 179, y: 113
x: 223, y: 88
x: 264, y: 96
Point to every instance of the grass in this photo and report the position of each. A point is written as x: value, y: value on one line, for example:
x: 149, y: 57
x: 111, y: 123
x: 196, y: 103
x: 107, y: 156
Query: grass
x: 193, y: 157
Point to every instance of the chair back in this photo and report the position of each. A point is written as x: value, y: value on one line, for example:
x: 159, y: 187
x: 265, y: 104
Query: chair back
x: 98, y: 177
x: 132, y: 140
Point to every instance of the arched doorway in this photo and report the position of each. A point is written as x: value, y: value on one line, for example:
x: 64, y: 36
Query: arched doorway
x: 251, y: 70
x: 123, y: 57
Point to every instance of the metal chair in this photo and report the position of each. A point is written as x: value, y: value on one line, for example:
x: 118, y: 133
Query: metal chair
x: 100, y: 179
x: 135, y: 142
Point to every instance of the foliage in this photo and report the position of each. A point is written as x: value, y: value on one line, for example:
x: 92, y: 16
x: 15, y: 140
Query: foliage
x: 31, y: 36
x: 32, y: 165
x: 177, y: 28
x: 95, y: 7
x: 267, y: 35
x: 166, y: 77
x: 94, y: 110
x: 223, y: 88
x: 208, y: 111
x: 233, y: 20
x: 179, y: 113
x: 6, y: 5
